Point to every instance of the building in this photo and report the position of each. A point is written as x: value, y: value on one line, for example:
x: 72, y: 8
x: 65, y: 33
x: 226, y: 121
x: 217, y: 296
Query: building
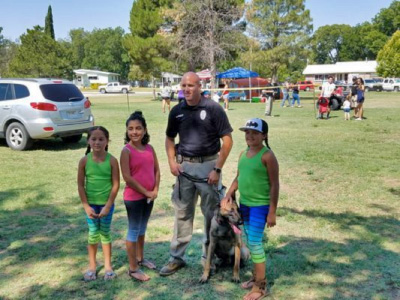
x: 84, y: 78
x: 342, y: 71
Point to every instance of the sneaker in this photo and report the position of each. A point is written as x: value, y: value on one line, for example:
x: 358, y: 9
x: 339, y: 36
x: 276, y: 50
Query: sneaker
x: 299, y: 106
x: 358, y: 119
x: 172, y: 267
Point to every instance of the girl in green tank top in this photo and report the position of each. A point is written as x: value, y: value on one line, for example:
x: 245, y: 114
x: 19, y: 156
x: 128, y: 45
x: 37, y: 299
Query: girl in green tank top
x: 98, y: 184
x: 258, y: 183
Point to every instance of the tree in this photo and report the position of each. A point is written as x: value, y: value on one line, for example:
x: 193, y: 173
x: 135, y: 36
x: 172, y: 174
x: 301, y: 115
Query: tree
x: 78, y: 39
x: 39, y: 56
x: 103, y: 50
x: 371, y: 40
x: 282, y: 28
x: 48, y: 25
x: 7, y: 52
x: 209, y: 31
x: 329, y: 41
x: 148, y: 48
x: 389, y: 57
x: 387, y: 20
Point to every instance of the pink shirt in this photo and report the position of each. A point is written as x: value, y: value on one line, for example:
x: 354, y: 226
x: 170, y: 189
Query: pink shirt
x: 141, y: 165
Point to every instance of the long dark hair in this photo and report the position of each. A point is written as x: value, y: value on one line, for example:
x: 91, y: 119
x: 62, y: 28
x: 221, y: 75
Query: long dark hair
x: 101, y: 128
x: 137, y: 115
x: 265, y: 131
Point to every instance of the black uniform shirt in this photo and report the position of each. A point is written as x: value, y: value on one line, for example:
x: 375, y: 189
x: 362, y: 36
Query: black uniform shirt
x: 199, y: 127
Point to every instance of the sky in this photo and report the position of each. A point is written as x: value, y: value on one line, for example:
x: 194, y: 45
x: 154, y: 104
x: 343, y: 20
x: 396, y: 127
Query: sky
x: 16, y: 16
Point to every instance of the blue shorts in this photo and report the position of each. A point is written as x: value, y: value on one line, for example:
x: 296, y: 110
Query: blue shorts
x: 346, y: 110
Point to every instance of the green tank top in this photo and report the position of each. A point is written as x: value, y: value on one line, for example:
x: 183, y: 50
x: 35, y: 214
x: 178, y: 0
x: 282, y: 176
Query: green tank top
x: 254, y: 186
x: 98, y: 180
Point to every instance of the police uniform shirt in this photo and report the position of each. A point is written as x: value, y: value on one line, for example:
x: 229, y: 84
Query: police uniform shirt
x: 199, y: 127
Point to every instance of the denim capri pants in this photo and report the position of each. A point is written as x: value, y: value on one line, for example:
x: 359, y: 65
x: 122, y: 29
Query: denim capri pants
x: 138, y: 216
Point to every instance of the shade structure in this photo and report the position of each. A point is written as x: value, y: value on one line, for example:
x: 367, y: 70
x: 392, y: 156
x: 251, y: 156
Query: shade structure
x: 204, y: 74
x: 237, y: 73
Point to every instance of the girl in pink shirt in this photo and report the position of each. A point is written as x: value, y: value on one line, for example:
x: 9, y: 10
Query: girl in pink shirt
x: 141, y: 172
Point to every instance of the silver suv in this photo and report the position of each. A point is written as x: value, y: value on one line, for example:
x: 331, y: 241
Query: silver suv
x: 33, y: 109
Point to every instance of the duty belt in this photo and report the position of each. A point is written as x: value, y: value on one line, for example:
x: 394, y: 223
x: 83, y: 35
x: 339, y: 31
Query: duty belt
x: 195, y: 159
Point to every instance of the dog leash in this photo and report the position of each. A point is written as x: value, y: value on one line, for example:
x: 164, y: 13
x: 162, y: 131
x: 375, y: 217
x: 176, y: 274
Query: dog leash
x: 193, y: 178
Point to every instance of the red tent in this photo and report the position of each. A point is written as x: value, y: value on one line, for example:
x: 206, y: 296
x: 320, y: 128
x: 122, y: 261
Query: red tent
x: 250, y: 82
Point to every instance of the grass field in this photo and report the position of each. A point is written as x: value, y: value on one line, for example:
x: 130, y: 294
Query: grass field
x: 338, y: 226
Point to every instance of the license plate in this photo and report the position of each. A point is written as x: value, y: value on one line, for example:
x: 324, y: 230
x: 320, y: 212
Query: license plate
x: 71, y: 115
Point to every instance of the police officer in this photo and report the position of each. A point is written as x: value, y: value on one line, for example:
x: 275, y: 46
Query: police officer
x: 196, y: 161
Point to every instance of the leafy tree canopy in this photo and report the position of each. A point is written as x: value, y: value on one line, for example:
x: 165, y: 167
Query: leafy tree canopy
x: 387, y: 20
x: 103, y: 50
x: 40, y: 56
x: 282, y: 28
x: 389, y: 57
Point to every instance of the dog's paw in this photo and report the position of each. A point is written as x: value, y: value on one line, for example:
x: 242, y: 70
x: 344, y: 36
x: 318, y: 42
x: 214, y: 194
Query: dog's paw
x: 236, y: 279
x: 203, y: 279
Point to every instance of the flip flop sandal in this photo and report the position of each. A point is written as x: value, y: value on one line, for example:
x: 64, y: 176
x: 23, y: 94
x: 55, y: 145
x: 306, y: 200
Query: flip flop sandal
x: 248, y: 284
x: 110, y: 275
x: 138, y: 271
x: 146, y: 263
x: 259, y: 287
x: 89, y: 276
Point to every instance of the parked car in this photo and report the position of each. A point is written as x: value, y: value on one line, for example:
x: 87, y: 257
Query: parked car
x: 33, y: 109
x: 372, y: 85
x: 391, y: 84
x: 305, y: 85
x: 114, y: 87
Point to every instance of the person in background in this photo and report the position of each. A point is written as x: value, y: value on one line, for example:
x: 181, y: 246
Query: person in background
x: 225, y: 95
x: 285, y: 91
x: 166, y: 97
x: 354, y: 94
x: 347, y: 107
x: 327, y: 91
x: 295, y: 95
x: 360, y: 99
x: 181, y: 97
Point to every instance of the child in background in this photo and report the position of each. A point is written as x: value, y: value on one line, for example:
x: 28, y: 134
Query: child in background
x: 295, y: 96
x: 323, y: 107
x: 141, y: 172
x: 257, y: 168
x: 98, y: 184
x: 346, y: 107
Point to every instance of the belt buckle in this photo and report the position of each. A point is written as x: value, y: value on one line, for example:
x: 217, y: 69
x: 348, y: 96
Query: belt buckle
x: 179, y: 158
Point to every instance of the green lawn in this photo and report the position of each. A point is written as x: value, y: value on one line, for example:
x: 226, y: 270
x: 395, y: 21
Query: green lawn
x: 338, y: 226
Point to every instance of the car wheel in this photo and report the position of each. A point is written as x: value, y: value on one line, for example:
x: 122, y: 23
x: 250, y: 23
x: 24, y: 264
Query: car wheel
x: 103, y: 91
x: 335, y: 104
x: 307, y: 89
x: 72, y: 139
x: 367, y: 89
x: 396, y: 88
x: 17, y: 137
x: 124, y: 91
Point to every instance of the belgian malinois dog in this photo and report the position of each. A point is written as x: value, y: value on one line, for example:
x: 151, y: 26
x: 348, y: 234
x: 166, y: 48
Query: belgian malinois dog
x: 225, y: 240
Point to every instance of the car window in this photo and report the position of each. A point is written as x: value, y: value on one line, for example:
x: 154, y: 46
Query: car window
x: 61, y: 92
x: 21, y: 91
x: 5, y: 91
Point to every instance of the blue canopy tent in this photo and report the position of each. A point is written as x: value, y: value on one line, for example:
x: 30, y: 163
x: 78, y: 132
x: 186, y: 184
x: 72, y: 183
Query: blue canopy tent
x: 237, y: 73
